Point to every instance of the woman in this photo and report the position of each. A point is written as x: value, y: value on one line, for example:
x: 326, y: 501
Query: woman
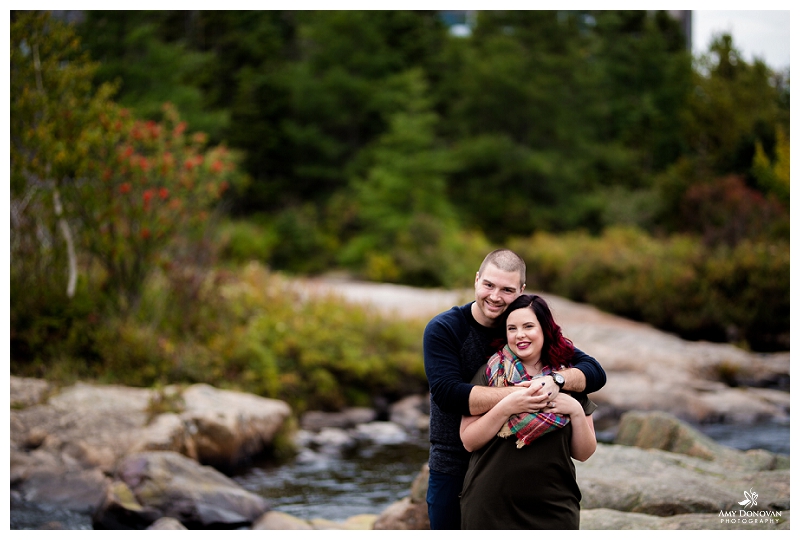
x: 521, y: 474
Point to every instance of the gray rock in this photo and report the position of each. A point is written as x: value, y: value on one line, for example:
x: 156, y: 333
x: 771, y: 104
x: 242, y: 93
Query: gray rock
x: 26, y: 391
x: 411, y: 412
x: 196, y: 495
x: 78, y: 490
x: 662, y: 483
x: 226, y: 428
x: 409, y: 513
x: 419, y: 487
x: 121, y: 510
x: 403, y: 515
x: 359, y: 522
x: 381, y: 433
x: 665, y: 432
x: 346, y: 419
x: 101, y: 424
x: 332, y: 440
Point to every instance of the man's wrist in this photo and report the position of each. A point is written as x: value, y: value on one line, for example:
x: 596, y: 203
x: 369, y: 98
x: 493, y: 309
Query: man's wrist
x: 575, y: 380
x: 559, y: 379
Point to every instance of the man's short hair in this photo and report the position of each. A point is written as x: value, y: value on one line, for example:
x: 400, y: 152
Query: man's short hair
x: 505, y: 260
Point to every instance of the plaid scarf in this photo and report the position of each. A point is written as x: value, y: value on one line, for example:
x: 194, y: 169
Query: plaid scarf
x: 505, y: 369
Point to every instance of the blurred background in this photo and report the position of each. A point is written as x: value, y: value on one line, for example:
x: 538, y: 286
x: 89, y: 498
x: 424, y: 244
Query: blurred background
x: 173, y: 171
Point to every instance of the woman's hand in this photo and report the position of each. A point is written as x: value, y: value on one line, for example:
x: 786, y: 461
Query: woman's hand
x: 564, y: 404
x: 530, y: 399
x: 477, y: 430
x: 583, y: 442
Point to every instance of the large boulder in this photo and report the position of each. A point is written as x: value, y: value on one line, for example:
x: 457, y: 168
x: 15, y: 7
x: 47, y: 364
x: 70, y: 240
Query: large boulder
x: 663, y: 431
x: 104, y: 420
x: 651, y: 370
x: 98, y: 425
x: 226, y: 428
x: 73, y: 489
x: 168, y: 484
x: 403, y: 515
x: 66, y: 445
x: 660, y: 483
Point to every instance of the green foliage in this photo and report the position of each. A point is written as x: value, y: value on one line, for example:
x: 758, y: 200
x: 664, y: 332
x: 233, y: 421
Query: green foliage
x: 242, y: 241
x: 548, y: 109
x: 312, y: 244
x: 773, y: 177
x: 258, y: 334
x: 677, y: 284
x: 734, y: 105
x: 565, y: 109
x: 404, y: 220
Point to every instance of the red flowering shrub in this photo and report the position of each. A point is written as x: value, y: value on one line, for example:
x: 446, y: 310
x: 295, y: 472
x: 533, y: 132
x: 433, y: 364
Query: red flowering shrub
x: 131, y: 199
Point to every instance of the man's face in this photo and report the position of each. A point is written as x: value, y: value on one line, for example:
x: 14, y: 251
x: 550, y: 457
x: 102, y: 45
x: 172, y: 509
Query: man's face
x: 494, y: 290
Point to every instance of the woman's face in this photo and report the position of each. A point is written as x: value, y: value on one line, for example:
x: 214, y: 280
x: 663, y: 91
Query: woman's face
x: 524, y: 334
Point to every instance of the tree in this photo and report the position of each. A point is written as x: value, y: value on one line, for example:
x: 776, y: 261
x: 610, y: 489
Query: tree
x: 734, y: 105
x: 405, y: 227
x: 128, y: 187
x: 555, y: 107
x: 52, y: 100
x: 733, y: 127
x: 152, y: 67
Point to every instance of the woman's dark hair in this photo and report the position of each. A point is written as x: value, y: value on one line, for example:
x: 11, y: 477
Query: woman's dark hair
x: 557, y: 349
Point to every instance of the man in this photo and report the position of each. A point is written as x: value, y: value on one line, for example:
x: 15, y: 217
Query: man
x: 455, y: 344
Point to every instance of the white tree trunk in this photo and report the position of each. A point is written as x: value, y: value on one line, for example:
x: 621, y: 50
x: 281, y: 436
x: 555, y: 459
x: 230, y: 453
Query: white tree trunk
x: 65, y: 230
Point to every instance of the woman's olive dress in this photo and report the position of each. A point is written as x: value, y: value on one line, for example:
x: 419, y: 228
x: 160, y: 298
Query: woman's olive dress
x: 532, y: 487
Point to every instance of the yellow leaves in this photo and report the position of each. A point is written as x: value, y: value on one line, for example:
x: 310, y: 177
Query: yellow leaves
x: 774, y: 176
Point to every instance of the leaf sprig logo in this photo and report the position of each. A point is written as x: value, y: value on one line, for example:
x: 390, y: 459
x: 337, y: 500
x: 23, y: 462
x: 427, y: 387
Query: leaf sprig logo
x: 749, y: 499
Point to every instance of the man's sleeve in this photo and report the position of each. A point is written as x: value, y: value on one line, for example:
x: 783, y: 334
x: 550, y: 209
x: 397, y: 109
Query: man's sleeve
x: 441, y: 350
x: 591, y: 368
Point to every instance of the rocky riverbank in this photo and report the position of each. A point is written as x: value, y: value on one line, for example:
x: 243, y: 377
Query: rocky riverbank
x: 107, y: 452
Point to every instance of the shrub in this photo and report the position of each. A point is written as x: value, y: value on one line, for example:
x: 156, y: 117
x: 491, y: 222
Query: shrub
x: 255, y: 332
x: 242, y: 241
x: 677, y: 284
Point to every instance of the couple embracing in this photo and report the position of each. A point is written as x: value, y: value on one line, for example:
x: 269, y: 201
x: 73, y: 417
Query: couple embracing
x: 509, y: 408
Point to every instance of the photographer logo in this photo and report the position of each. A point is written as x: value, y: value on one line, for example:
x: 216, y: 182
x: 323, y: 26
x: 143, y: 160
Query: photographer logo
x: 747, y: 515
x: 749, y: 499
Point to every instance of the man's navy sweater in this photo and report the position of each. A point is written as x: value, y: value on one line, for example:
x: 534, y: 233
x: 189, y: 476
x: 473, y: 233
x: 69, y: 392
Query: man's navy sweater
x: 455, y: 345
